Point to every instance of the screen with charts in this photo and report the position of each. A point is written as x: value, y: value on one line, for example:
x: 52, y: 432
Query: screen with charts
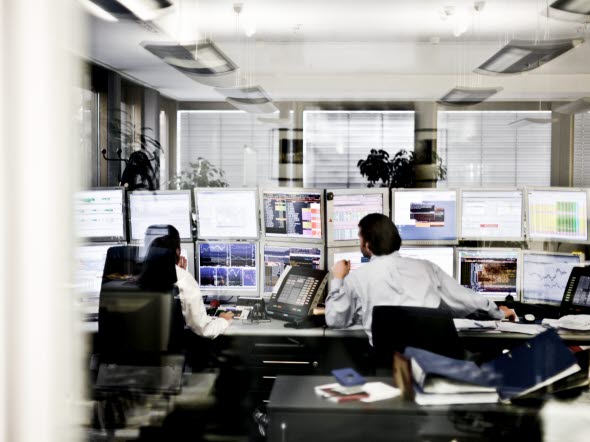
x: 151, y: 208
x: 346, y: 210
x: 227, y: 213
x: 557, y: 214
x: 89, y: 266
x: 422, y: 215
x: 277, y: 257
x: 293, y: 215
x: 492, y: 214
x: 227, y: 266
x: 493, y: 273
x: 444, y: 257
x: 545, y: 276
x: 99, y: 214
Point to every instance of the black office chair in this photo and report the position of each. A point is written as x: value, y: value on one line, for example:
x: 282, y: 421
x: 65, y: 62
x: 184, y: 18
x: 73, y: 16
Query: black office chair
x: 394, y: 328
x: 121, y: 260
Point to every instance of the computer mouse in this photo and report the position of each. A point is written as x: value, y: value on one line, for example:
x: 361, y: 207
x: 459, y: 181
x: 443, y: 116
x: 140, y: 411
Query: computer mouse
x: 529, y: 317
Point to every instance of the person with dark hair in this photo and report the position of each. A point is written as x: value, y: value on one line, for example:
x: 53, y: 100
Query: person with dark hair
x: 191, y: 299
x: 389, y: 279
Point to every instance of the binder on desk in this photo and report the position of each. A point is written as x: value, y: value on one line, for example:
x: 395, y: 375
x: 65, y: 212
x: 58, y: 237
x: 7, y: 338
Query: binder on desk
x: 537, y: 363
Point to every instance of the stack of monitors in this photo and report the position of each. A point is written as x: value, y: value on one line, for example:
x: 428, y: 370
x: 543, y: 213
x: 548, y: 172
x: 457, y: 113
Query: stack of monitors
x: 227, y: 250
x: 492, y: 272
x: 426, y: 216
x: 100, y: 215
x: 160, y: 208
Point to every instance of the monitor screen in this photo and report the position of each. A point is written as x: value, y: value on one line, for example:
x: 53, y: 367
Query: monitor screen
x: 582, y: 294
x: 99, y: 214
x: 545, y: 276
x: 293, y: 215
x: 227, y: 266
x: 492, y: 214
x: 345, y: 210
x: 228, y: 213
x: 557, y: 214
x: 89, y: 268
x: 444, y: 257
x: 355, y: 257
x: 151, y: 208
x: 426, y: 216
x: 493, y: 273
x: 277, y: 257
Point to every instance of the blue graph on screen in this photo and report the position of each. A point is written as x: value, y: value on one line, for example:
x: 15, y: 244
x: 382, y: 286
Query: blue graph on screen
x: 234, y: 276
x: 227, y: 266
x: 249, y: 277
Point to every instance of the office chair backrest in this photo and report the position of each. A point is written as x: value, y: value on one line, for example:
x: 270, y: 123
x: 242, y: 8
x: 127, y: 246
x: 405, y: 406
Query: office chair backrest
x: 395, y: 327
x: 121, y: 260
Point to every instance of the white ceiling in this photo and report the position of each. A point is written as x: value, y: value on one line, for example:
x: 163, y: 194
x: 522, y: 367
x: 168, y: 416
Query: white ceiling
x: 352, y: 50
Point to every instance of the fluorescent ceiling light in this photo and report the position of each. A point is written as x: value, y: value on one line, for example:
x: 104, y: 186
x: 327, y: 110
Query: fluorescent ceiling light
x: 525, y: 55
x: 576, y: 107
x: 570, y: 10
x: 523, y: 122
x: 147, y: 10
x: 98, y: 11
x: 252, y: 99
x: 468, y: 95
x: 203, y: 61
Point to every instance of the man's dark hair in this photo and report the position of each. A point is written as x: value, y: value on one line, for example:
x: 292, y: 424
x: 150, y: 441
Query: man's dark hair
x: 381, y: 234
x: 159, y: 230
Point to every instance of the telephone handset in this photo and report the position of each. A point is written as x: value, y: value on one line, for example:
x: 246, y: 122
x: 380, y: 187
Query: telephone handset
x: 297, y: 293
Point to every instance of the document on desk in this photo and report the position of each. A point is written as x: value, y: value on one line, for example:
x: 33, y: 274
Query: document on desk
x: 470, y: 324
x: 527, y: 329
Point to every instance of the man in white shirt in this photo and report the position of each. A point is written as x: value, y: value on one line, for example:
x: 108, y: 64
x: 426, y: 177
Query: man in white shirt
x: 191, y: 299
x: 389, y: 279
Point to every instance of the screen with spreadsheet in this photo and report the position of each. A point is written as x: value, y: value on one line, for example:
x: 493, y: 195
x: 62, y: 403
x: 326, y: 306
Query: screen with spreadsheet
x: 444, y: 257
x: 425, y: 215
x: 152, y: 208
x: 227, y: 213
x: 557, y: 214
x: 277, y: 257
x: 227, y: 266
x: 292, y: 215
x: 493, y: 273
x: 99, y: 214
x: 545, y: 276
x: 345, y: 210
x: 492, y: 214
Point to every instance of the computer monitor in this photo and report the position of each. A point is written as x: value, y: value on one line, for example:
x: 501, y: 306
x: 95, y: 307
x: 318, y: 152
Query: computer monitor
x: 545, y: 276
x: 276, y: 256
x: 226, y: 213
x: 171, y: 207
x: 444, y: 257
x: 293, y: 213
x: 346, y: 207
x: 492, y: 215
x: 426, y: 216
x: 557, y: 214
x: 88, y: 271
x: 494, y: 273
x: 352, y: 254
x: 228, y: 268
x: 99, y: 215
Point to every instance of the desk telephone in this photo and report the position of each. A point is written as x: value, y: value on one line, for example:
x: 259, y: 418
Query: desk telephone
x: 297, y: 293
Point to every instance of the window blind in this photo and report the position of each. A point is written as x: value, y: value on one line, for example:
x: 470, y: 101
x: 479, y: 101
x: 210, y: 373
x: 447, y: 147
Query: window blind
x: 481, y: 149
x: 231, y: 140
x: 582, y: 149
x: 334, y: 142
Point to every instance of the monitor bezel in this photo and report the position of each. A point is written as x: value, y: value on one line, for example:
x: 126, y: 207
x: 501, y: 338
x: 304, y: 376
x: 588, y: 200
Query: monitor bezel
x: 517, y: 295
x: 196, y: 190
x: 157, y: 193
x: 550, y: 239
x: 454, y: 249
x: 494, y: 239
x: 438, y: 242
x: 329, y: 227
x: 113, y: 239
x: 224, y: 292
x: 290, y: 244
x: 288, y: 191
x: 533, y: 252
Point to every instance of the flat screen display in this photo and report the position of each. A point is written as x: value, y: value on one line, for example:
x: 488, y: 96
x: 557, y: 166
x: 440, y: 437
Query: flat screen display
x: 545, y: 276
x: 148, y: 209
x: 557, y: 214
x: 444, y: 257
x: 225, y: 214
x: 99, y: 214
x: 348, y: 210
x: 293, y: 215
x: 492, y: 273
x: 227, y: 266
x: 492, y: 214
x: 277, y: 257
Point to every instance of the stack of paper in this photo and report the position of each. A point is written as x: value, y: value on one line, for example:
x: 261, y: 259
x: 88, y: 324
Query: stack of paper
x: 368, y: 392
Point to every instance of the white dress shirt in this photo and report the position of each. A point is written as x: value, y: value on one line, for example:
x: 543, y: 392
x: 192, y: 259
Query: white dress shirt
x: 193, y: 307
x: 393, y: 280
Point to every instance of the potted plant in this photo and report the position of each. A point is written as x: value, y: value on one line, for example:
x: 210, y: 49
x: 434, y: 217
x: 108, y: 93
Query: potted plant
x: 201, y: 174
